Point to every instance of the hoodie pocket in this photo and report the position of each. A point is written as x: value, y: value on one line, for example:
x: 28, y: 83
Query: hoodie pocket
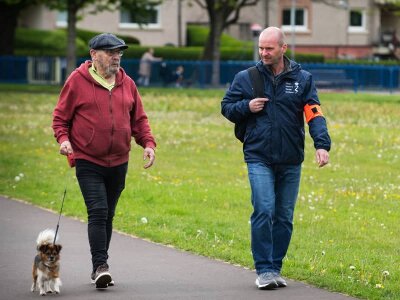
x: 121, y: 141
x: 96, y: 142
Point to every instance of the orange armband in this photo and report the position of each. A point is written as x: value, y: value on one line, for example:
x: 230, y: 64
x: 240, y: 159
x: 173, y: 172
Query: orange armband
x: 312, y: 111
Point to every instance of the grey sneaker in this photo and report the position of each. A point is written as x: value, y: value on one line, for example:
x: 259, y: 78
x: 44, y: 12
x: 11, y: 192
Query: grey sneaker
x: 279, y: 280
x: 266, y: 281
x: 102, y: 277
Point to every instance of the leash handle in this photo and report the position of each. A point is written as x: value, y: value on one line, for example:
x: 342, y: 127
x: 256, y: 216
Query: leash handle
x: 71, y: 160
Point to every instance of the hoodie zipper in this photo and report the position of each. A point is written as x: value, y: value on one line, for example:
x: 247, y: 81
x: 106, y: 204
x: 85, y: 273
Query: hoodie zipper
x: 112, y: 126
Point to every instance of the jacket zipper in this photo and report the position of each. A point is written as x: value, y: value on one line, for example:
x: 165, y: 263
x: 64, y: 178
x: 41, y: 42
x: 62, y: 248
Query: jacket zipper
x: 112, y: 126
x: 275, y: 142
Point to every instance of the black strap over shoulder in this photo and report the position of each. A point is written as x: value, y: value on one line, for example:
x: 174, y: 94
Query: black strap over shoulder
x: 257, y: 82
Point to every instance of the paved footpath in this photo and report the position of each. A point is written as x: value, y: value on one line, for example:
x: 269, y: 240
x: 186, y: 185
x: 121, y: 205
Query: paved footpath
x: 141, y: 269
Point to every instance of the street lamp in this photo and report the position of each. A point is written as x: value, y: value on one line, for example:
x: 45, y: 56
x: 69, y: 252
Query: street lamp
x: 256, y: 30
x: 344, y: 4
x: 293, y: 28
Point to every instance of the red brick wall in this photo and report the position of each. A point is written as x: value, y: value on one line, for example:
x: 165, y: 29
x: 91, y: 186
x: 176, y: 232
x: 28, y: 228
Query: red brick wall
x: 336, y: 51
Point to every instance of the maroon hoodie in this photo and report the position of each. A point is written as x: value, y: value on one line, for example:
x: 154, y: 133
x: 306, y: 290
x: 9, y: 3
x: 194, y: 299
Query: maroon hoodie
x: 99, y: 123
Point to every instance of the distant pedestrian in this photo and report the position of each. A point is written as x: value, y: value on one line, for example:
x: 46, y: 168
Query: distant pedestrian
x: 177, y: 76
x: 145, y: 67
x: 170, y: 78
x: 274, y: 147
x: 98, y: 111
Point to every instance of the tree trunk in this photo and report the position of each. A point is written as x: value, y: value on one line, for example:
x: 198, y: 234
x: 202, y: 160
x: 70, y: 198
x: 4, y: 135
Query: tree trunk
x: 212, y: 50
x: 180, y: 23
x: 71, y: 45
x: 266, y: 9
x: 8, y: 23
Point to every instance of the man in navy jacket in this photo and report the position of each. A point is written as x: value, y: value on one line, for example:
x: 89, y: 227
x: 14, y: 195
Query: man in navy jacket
x: 273, y: 147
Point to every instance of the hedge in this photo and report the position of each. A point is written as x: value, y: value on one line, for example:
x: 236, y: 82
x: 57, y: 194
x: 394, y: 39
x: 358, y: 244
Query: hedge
x: 86, y: 35
x: 197, y: 36
x: 33, y: 42
x: 36, y: 42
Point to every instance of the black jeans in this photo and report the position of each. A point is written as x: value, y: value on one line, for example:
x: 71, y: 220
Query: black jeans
x: 101, y: 188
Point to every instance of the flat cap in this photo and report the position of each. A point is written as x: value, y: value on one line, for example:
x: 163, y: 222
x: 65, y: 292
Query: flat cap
x: 106, y: 41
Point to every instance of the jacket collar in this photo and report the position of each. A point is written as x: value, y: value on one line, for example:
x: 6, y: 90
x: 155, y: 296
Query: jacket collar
x: 290, y: 68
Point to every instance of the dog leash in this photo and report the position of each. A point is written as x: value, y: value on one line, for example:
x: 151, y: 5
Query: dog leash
x: 62, y: 205
x: 71, y: 162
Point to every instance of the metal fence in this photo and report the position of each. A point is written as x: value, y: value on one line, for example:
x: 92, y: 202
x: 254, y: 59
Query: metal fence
x: 52, y: 70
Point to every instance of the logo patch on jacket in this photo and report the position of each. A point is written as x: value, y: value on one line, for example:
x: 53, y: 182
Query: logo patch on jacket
x: 291, y: 88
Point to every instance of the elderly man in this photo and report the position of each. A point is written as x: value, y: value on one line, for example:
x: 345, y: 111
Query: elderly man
x: 273, y: 146
x: 98, y: 111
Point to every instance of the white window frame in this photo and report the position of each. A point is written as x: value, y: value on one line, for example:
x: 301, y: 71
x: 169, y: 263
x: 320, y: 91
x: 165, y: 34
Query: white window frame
x: 156, y: 25
x: 362, y: 28
x: 297, y: 28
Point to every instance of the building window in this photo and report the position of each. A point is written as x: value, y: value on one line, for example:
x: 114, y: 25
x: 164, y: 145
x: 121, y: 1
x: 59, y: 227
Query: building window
x: 300, y: 19
x: 135, y: 19
x: 62, y: 18
x: 357, y: 21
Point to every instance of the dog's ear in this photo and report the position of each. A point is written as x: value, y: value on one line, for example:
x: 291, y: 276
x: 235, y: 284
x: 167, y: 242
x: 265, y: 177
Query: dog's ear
x: 43, y: 247
x: 58, y: 247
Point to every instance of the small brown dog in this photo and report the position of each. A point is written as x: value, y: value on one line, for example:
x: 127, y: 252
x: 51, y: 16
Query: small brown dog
x: 46, y: 266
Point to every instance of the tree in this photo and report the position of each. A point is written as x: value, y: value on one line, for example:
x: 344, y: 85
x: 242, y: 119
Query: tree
x: 11, y: 9
x: 9, y: 13
x: 72, y: 7
x: 221, y: 13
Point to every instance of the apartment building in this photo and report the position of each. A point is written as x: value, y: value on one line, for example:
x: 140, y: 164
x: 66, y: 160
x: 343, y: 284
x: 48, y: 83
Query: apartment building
x: 336, y: 28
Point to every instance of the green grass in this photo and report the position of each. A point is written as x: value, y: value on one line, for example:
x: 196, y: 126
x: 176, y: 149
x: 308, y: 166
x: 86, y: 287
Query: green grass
x: 196, y: 196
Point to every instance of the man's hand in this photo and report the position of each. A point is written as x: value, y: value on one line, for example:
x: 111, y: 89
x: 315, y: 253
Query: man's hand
x: 257, y: 104
x: 322, y: 157
x: 66, y: 148
x: 150, y: 154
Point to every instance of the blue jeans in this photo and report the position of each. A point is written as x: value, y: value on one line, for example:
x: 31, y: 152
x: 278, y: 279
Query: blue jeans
x: 274, y: 191
x: 101, y: 188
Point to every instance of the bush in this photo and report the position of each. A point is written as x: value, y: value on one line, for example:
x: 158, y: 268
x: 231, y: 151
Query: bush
x: 363, y: 62
x: 167, y: 53
x: 307, y: 58
x: 45, y: 43
x: 36, y: 42
x: 188, y: 53
x: 197, y: 36
x: 233, y: 49
x: 86, y: 35
x: 29, y: 38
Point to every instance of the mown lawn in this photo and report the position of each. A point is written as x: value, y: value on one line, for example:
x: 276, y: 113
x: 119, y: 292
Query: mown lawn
x: 196, y: 197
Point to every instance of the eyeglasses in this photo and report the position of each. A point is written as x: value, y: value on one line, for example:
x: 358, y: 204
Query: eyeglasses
x: 113, y: 52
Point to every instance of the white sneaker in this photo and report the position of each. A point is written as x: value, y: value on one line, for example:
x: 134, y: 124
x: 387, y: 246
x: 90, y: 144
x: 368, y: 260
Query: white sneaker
x: 266, y: 281
x: 279, y: 280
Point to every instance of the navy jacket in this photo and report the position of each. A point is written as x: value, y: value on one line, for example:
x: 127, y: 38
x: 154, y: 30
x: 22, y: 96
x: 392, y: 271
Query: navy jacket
x: 275, y: 135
